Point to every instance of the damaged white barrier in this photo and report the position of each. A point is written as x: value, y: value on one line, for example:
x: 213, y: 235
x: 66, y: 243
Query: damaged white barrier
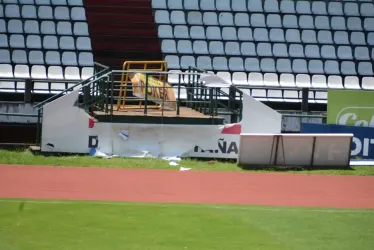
x: 285, y: 150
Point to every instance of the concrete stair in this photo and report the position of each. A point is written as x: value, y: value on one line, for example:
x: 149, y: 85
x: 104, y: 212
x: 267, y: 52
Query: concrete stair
x: 122, y: 30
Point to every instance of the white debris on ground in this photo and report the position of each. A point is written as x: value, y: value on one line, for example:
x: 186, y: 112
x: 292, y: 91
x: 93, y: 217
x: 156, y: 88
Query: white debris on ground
x: 172, y: 158
x: 97, y: 153
x: 173, y: 161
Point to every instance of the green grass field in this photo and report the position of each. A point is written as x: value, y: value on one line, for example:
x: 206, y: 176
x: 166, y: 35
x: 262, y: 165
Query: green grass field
x: 27, y: 158
x: 89, y: 226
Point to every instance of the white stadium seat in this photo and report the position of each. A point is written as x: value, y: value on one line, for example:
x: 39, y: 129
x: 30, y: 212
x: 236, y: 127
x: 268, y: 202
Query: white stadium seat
x: 75, y: 2
x: 52, y: 58
x: 67, y: 43
x: 255, y: 79
x: 4, y: 56
x: 271, y: 6
x: 200, y: 47
x: 80, y: 29
x: 61, y: 13
x: 58, y: 2
x: 38, y: 72
x: 319, y: 81
x: 187, y: 61
x: 33, y: 42
x: 368, y: 83
x: 85, y: 59
x: 159, y: 4
x: 48, y: 27
x: 64, y: 28
x: 195, y: 18
x: 239, y: 5
x: 55, y: 72
x: 351, y: 82
x: 236, y: 64
x: 31, y: 27
x: 69, y: 58
x: 21, y: 71
x: 207, y: 5
x: 191, y: 4
x: 319, y: 8
x: 45, y: 12
x: 181, y: 31
x: 224, y: 5
x: 78, y: 14
x: 239, y: 78
x: 29, y: 11
x: 164, y: 31
x: 17, y: 41
x: 36, y: 57
x: 19, y: 57
x: 87, y: 72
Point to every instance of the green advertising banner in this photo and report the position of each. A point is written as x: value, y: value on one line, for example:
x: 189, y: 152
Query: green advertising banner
x: 350, y: 107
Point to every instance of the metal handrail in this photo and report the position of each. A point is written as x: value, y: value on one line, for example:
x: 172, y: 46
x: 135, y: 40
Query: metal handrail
x: 19, y: 114
x: 304, y: 116
x: 83, y: 83
x: 154, y: 72
x: 37, y: 80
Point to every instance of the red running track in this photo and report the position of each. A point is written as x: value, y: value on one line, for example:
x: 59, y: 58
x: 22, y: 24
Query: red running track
x: 186, y: 187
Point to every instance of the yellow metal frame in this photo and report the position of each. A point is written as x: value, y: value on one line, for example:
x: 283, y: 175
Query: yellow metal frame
x: 157, y: 66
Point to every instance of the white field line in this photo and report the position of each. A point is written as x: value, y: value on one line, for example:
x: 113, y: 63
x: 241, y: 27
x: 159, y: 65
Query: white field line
x: 223, y: 207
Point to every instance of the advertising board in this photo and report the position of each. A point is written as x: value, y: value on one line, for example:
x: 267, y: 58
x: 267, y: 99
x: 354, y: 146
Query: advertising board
x: 362, y: 142
x: 284, y: 150
x: 158, y: 91
x: 351, y: 107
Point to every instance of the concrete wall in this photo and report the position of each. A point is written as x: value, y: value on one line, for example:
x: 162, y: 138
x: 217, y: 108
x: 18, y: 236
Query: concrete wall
x: 65, y: 127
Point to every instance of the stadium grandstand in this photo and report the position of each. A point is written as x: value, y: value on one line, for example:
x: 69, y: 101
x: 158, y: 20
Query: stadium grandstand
x: 285, y: 52
x: 276, y: 48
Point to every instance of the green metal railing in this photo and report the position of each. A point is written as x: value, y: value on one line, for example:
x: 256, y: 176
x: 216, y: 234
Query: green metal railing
x: 219, y: 99
x: 199, y: 97
x: 99, y: 71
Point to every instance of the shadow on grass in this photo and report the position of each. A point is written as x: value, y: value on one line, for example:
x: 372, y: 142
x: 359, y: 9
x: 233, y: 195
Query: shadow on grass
x: 274, y: 169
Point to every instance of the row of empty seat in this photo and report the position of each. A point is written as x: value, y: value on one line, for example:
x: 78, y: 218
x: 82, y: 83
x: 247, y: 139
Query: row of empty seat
x: 265, y: 35
x: 254, y: 64
x: 259, y: 86
x: 285, y: 80
x: 261, y: 20
x: 15, y: 26
x: 36, y: 57
x: 356, y: 8
x: 46, y: 2
x: 262, y: 34
x: 42, y: 12
x: 38, y: 87
x: 45, y: 42
x: 261, y: 49
x: 43, y: 72
x: 286, y: 95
